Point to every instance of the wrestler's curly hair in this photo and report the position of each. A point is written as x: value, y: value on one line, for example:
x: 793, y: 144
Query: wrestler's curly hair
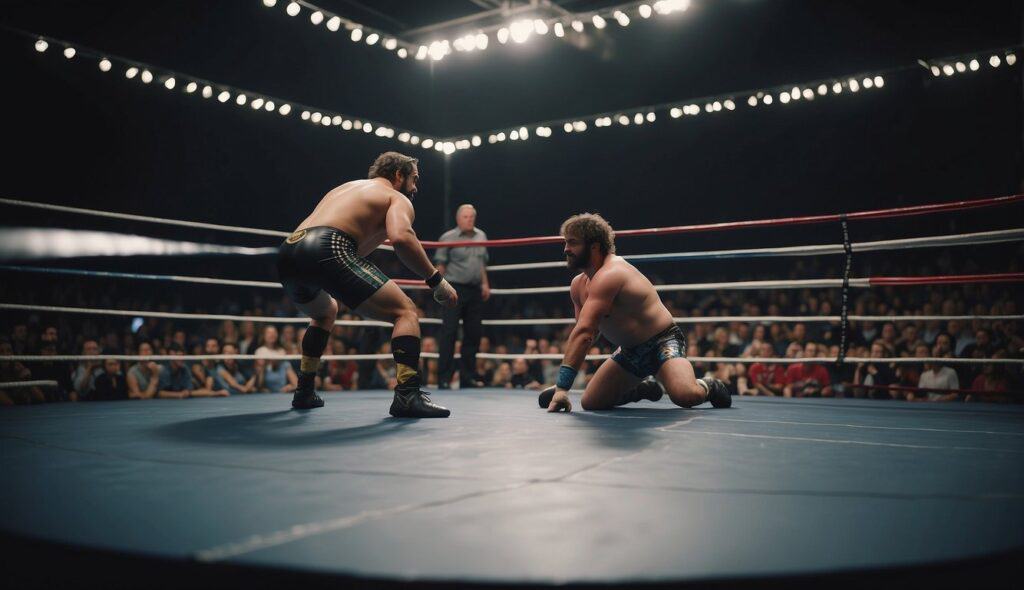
x: 388, y: 164
x: 592, y: 229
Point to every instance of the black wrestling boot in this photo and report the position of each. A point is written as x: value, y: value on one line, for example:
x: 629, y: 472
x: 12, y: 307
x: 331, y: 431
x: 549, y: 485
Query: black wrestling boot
x: 305, y: 397
x: 718, y: 393
x: 648, y: 389
x: 412, y: 402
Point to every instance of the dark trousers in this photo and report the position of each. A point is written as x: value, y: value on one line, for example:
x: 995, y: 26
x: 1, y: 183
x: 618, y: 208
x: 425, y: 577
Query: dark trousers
x: 470, y: 311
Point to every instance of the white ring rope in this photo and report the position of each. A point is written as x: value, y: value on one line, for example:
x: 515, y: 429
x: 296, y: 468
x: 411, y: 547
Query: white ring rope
x: 16, y: 384
x: 509, y: 356
x: 989, y: 237
x: 510, y: 322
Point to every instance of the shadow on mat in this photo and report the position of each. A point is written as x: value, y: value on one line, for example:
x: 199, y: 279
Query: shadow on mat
x: 272, y: 429
x: 630, y: 429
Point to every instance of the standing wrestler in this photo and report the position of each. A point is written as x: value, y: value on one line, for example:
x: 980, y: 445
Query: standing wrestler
x: 613, y: 298
x: 324, y: 262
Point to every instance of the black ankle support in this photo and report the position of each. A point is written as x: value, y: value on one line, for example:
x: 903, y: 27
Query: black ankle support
x: 406, y: 350
x: 315, y: 341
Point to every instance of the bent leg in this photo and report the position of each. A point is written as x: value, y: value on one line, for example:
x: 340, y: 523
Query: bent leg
x: 608, y: 386
x: 390, y: 304
x: 680, y: 383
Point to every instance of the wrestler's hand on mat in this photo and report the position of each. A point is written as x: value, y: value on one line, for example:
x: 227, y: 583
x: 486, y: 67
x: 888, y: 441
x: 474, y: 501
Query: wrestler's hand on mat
x: 560, y: 401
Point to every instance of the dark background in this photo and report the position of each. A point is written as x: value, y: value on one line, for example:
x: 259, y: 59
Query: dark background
x: 80, y: 137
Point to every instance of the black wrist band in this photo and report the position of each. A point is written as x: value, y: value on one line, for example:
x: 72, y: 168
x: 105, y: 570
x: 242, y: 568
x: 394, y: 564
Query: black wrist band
x: 434, y: 279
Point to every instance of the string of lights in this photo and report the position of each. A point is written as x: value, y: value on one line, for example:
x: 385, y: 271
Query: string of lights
x: 769, y: 97
x: 479, y: 38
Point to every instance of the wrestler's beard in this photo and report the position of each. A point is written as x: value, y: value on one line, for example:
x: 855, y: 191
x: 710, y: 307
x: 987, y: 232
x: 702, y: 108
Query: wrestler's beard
x: 578, y: 262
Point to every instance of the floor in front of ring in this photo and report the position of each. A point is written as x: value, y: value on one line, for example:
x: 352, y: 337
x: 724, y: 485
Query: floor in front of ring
x: 502, y: 491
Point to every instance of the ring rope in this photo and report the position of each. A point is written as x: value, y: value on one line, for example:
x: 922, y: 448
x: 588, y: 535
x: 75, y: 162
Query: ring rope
x: 864, y: 282
x: 16, y: 384
x: 508, y: 322
x: 871, y: 214
x: 496, y: 356
x: 967, y: 239
x: 844, y: 311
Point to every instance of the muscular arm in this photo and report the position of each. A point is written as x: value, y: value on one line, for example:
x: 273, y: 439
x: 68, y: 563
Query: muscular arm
x: 407, y: 246
x: 600, y: 296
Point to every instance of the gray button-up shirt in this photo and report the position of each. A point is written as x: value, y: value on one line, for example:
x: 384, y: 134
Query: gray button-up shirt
x: 463, y: 265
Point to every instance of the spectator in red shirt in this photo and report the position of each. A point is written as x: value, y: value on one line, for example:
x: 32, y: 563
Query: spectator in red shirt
x: 766, y: 378
x: 808, y: 379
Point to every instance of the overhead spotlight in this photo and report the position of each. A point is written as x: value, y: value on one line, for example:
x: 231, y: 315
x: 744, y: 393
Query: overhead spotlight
x: 676, y: 112
x: 403, y: 52
x: 599, y: 22
x: 169, y: 83
x: 638, y: 118
x: 752, y: 101
x: 651, y: 116
x: 853, y: 84
x: 191, y: 87
x: 268, y: 106
x: 449, y: 148
x: 428, y: 143
x: 501, y: 136
x: 948, y: 69
x: 645, y: 11
x: 623, y: 120
x: 41, y: 45
x: 105, y: 65
x: 577, y: 25
x: 707, y: 107
x: 716, y: 106
x: 463, y: 144
x: 936, y: 71
x: 305, y: 115
x: 415, y: 140
x: 960, y: 67
x: 326, y: 121
x: 482, y: 41
x: 559, y: 30
x: 974, y: 65
x: 316, y: 18
x: 390, y: 43
x: 421, y: 53
x: 460, y: 44
x: 579, y: 126
x: 993, y: 61
x: 336, y: 120
x: 822, y: 89
x: 794, y: 93
x: 284, y: 109
x: 476, y: 141
x: 372, y: 38
x: 767, y: 99
x: 1011, y: 58
x: 492, y: 139
x: 540, y: 27
x: 207, y: 92
x: 879, y: 81
x: 256, y: 104
x: 367, y: 128
x: 523, y: 133
x: 224, y: 96
x: 867, y: 83
x: 346, y: 125
x: 513, y: 135
x: 837, y: 88
x: 270, y: 3
x: 147, y: 76
x: 503, y: 35
x: 315, y: 117
x: 784, y: 97
x: 621, y: 18
x: 437, y: 51
x: 240, y: 99
x: 334, y: 23
x: 539, y: 131
x: 729, y: 104
x: 808, y: 94
x: 69, y: 52
x: 293, y: 9
x: 567, y: 127
x: 357, y: 34
x: 520, y: 30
